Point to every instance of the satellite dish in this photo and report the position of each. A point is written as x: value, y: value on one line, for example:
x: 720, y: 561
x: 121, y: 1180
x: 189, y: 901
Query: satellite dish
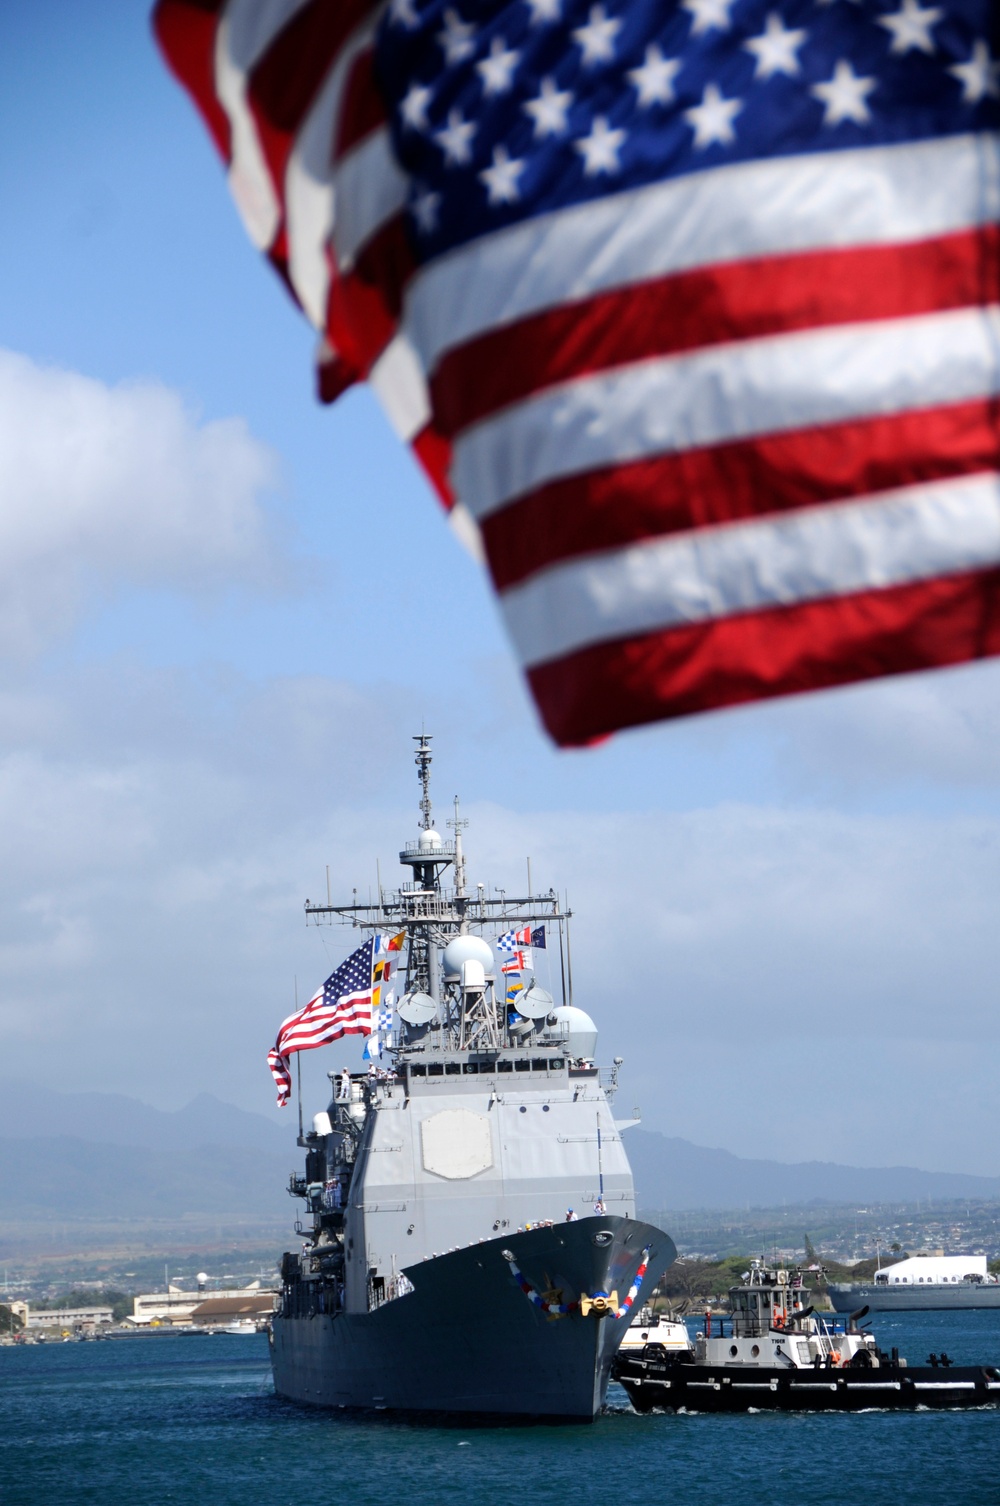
x: 534, y: 1002
x: 417, y: 1009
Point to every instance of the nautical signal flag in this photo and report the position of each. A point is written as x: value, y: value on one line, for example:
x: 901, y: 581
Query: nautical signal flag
x: 510, y: 941
x: 515, y: 986
x: 343, y: 1006
x: 689, y: 310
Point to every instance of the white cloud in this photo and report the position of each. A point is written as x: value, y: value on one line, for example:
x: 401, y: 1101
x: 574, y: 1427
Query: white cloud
x: 103, y: 487
x: 791, y: 984
x: 934, y: 728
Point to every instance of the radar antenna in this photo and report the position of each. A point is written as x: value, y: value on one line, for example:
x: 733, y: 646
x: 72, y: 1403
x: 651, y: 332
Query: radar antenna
x: 422, y: 760
x: 459, y: 825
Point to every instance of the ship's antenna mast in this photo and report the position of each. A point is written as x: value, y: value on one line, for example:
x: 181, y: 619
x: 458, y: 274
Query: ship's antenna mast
x: 459, y: 854
x: 423, y: 761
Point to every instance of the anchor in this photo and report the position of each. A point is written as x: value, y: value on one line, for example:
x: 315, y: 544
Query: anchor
x: 599, y: 1305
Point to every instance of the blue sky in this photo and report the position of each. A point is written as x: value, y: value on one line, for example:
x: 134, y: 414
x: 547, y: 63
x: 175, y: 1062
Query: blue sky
x: 228, y: 608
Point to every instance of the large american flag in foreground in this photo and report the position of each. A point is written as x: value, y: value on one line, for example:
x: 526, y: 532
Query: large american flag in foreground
x: 343, y: 1006
x: 691, y: 307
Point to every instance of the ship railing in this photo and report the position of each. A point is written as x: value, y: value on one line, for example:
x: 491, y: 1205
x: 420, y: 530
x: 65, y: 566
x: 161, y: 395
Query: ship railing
x: 431, y: 854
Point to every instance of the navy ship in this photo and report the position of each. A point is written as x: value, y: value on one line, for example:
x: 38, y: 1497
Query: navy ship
x: 470, y: 1243
x: 925, y: 1282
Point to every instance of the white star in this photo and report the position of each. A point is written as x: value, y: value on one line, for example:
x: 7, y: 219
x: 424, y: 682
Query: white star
x: 413, y: 107
x: 597, y: 38
x: 978, y: 76
x: 401, y: 13
x: 456, y: 38
x: 775, y: 49
x: 600, y: 149
x: 655, y: 78
x: 712, y: 120
x: 425, y: 211
x: 709, y: 13
x: 497, y: 69
x: 844, y: 96
x: 455, y: 140
x: 501, y: 178
x: 549, y: 110
x: 544, y: 11
x: 911, y: 26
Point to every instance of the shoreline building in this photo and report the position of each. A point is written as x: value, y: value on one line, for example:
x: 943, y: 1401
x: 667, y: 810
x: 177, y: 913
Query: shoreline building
x: 67, y: 1317
x: 176, y: 1306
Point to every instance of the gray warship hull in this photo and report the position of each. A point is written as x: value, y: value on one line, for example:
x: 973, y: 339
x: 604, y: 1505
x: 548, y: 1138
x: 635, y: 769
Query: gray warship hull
x: 468, y: 1339
x: 848, y: 1297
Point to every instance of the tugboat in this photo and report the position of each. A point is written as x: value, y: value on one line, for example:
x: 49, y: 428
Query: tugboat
x: 471, y: 1244
x: 649, y: 1327
x: 773, y: 1352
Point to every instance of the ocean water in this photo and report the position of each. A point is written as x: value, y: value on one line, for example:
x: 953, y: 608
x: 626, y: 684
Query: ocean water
x: 194, y: 1421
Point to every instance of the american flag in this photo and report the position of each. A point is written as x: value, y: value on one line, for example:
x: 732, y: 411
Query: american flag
x: 343, y: 1006
x: 691, y: 308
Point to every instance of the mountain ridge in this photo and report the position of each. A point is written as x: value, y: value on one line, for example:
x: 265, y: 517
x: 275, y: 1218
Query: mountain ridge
x: 70, y: 1153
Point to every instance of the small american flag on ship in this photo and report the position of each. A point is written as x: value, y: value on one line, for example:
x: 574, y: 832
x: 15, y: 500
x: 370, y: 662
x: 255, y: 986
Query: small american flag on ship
x: 690, y: 307
x: 343, y: 1006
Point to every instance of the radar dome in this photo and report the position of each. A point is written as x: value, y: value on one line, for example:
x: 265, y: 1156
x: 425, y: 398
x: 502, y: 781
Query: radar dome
x: 430, y: 840
x: 576, y: 1028
x: 467, y: 949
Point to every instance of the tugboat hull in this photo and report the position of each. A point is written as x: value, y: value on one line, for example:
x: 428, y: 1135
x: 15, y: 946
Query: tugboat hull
x: 468, y: 1340
x: 653, y: 1385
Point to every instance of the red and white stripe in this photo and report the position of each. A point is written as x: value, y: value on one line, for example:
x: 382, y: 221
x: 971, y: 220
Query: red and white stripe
x: 318, y: 1024
x: 725, y: 436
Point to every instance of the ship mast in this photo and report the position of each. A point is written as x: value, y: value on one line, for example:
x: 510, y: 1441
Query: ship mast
x: 432, y: 915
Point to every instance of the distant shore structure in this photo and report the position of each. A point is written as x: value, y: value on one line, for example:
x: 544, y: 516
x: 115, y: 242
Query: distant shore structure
x: 72, y: 1318
x: 921, y: 1281
x: 178, y: 1308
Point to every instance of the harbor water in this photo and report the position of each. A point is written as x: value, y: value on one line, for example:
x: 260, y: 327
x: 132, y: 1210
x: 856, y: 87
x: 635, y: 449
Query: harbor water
x: 193, y: 1420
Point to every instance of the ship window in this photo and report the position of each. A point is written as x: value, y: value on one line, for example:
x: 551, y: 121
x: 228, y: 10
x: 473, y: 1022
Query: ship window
x: 471, y: 1067
x: 453, y: 1069
x: 557, y: 1064
x: 418, y: 1070
x: 505, y: 1066
x: 522, y: 1066
x: 435, y: 1069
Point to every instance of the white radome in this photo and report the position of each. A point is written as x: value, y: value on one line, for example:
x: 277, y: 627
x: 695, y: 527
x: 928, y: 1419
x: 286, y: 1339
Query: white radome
x: 430, y: 840
x: 467, y: 949
x: 576, y: 1028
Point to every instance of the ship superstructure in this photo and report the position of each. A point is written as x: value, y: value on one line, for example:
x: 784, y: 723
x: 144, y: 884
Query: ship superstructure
x: 471, y: 1242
